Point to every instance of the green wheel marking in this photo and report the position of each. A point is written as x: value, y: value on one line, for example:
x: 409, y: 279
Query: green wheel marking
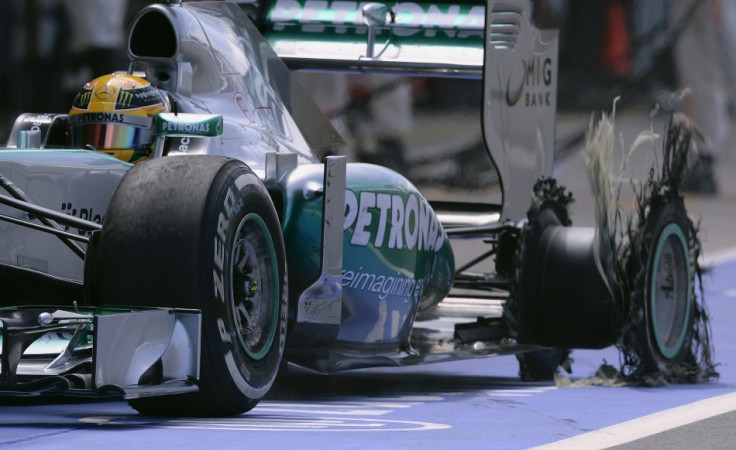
x: 257, y: 264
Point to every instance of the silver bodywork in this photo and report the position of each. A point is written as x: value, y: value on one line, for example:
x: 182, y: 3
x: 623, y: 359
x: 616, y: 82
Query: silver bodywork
x: 219, y: 67
x: 517, y: 61
x: 78, y: 183
x: 121, y: 347
x: 216, y: 62
x: 171, y: 337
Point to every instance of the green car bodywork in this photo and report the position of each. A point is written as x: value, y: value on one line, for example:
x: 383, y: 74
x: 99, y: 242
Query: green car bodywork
x: 397, y: 258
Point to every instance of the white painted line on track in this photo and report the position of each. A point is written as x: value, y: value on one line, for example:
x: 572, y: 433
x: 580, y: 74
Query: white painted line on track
x: 646, y: 426
x: 518, y: 392
x: 376, y: 407
x: 344, y: 404
x: 308, y: 410
x: 507, y: 394
x: 271, y: 424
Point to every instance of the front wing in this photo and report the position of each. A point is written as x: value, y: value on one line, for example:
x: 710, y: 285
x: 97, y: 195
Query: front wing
x: 99, y: 352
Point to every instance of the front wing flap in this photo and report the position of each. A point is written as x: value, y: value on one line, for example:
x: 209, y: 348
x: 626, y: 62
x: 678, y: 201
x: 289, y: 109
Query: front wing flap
x: 99, y: 352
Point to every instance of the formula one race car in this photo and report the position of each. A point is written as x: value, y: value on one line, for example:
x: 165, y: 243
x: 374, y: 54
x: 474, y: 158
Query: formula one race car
x: 186, y: 282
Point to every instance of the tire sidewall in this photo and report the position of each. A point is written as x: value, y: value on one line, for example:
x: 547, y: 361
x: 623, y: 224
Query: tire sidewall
x: 672, y: 214
x: 237, y: 193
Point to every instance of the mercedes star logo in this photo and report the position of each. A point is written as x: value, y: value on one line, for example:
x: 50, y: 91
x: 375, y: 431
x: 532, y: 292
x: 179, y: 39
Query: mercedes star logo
x: 105, y: 93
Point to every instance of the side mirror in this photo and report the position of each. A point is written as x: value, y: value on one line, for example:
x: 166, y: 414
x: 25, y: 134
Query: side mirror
x: 374, y: 14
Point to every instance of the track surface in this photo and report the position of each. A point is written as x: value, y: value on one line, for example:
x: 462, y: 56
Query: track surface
x: 450, y: 405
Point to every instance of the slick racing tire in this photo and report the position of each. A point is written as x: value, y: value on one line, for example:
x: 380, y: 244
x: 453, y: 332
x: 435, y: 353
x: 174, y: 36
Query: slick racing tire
x: 541, y: 365
x: 662, y: 304
x: 201, y: 232
x: 550, y: 209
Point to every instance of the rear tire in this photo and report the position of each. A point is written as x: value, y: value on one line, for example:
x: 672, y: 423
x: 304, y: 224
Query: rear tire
x: 201, y: 232
x: 541, y: 365
x: 662, y: 304
x: 521, y: 312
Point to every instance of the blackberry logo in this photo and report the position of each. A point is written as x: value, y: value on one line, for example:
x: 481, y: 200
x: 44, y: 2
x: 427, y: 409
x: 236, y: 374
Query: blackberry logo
x: 82, y: 213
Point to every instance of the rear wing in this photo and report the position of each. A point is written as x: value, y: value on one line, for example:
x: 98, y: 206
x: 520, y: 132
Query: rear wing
x: 495, y: 40
x: 438, y: 38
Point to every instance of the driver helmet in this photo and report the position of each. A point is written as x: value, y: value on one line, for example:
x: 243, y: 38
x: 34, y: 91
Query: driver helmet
x: 115, y: 115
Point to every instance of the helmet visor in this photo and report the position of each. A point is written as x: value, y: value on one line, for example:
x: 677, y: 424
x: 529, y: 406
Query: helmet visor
x: 110, y: 136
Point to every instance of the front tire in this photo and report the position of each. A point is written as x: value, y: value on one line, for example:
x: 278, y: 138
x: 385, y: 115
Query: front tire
x: 201, y: 232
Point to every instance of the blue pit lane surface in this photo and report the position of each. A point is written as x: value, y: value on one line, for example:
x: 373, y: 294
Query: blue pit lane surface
x: 448, y: 405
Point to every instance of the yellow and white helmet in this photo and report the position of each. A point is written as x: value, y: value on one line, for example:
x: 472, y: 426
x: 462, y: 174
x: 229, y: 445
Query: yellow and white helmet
x: 115, y: 115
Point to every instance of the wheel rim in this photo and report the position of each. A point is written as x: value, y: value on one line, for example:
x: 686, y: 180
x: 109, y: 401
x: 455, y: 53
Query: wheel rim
x: 254, y: 289
x: 670, y: 291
